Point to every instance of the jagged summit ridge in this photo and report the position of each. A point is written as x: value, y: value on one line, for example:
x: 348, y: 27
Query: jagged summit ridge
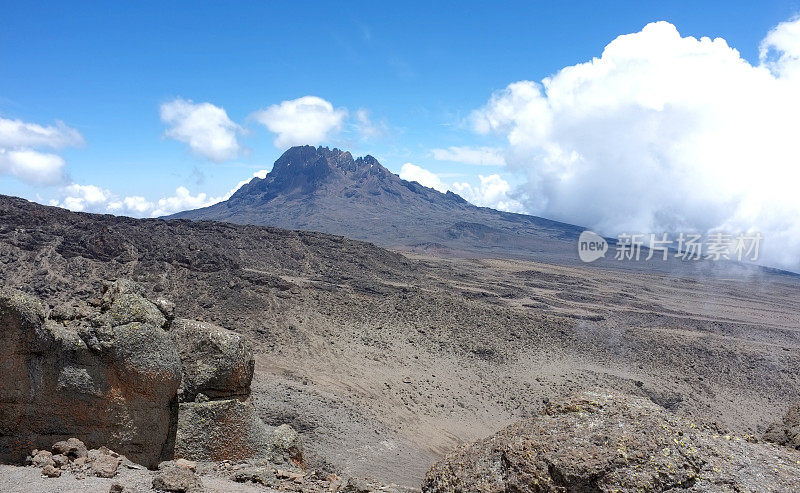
x: 306, y: 169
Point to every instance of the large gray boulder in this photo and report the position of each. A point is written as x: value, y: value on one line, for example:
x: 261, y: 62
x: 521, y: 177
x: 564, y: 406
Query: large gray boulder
x: 218, y: 363
x: 602, y: 442
x: 112, y: 385
x: 217, y: 430
x: 216, y: 420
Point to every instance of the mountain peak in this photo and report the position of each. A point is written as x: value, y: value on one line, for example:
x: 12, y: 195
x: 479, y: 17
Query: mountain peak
x: 324, y: 189
x: 307, y: 170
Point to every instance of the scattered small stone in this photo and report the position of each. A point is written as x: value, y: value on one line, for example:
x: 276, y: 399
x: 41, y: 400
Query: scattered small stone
x: 356, y: 485
x: 105, y: 466
x: 188, y: 464
x: 50, y: 471
x: 43, y: 458
x: 72, y: 448
x: 60, y: 460
x: 176, y: 479
x: 297, y: 477
x: 258, y: 475
x: 116, y: 488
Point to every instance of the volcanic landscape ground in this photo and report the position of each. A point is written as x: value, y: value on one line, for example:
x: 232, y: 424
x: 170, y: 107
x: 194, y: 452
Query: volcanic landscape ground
x: 385, y: 360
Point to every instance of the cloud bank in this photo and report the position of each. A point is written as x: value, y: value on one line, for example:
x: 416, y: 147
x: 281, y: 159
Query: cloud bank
x: 663, y: 133
x: 205, y: 128
x: 493, y: 190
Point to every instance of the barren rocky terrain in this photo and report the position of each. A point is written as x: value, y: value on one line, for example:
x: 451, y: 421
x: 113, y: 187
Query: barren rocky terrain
x: 384, y: 361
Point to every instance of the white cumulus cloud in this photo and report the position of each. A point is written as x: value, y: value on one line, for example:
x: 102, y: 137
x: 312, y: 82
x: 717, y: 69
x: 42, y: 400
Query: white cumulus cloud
x: 89, y: 198
x: 780, y: 49
x: 183, y: 200
x: 32, y: 167
x: 480, y: 156
x: 135, y: 205
x: 19, y: 157
x: 309, y: 120
x: 206, y: 129
x: 663, y: 133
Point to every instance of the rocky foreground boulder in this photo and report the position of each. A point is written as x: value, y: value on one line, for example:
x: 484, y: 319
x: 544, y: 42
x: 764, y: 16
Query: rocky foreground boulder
x: 609, y: 442
x: 129, y: 376
x: 109, y: 377
x: 217, y: 419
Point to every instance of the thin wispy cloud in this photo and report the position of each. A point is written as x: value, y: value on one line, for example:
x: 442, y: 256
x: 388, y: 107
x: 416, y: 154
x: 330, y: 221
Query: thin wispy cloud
x: 478, y: 156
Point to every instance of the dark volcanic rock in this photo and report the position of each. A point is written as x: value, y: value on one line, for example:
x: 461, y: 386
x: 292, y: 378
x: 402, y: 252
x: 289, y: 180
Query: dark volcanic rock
x: 109, y: 385
x: 216, y: 362
x: 609, y: 442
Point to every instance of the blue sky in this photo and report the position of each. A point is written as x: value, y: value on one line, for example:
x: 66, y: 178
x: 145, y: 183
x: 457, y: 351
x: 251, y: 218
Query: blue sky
x: 419, y: 71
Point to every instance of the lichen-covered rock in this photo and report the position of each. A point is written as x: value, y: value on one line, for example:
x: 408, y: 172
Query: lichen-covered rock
x: 787, y: 431
x: 220, y: 430
x: 286, y: 445
x: 216, y: 362
x: 108, y: 385
x: 609, y: 442
x: 129, y: 307
x: 113, y: 289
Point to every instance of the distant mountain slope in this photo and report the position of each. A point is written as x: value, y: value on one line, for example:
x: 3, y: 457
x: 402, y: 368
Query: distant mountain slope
x: 327, y: 190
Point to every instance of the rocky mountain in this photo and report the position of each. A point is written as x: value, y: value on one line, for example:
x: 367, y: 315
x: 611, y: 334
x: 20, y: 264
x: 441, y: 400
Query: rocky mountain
x: 327, y: 190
